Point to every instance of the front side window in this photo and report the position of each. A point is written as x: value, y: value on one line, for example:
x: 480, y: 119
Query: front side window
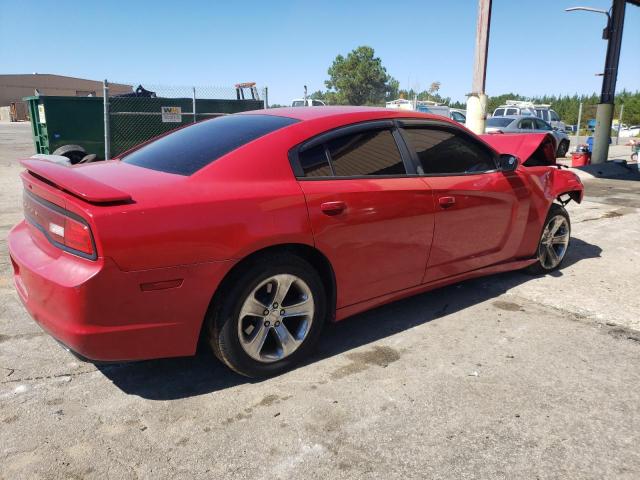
x: 370, y: 153
x: 554, y: 116
x: 512, y: 111
x: 542, y: 125
x: 499, y: 112
x: 458, y: 117
x: 543, y: 114
x: 443, y: 151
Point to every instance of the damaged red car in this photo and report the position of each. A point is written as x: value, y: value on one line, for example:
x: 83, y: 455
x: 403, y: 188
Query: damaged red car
x: 253, y: 230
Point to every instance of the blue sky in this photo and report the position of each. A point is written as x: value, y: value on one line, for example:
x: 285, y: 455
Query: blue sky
x: 535, y: 48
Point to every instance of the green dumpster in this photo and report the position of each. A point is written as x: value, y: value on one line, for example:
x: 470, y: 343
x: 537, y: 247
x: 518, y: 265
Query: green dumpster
x: 74, y: 126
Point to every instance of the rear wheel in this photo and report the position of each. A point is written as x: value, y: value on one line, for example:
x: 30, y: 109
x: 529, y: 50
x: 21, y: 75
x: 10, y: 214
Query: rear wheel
x: 554, y: 242
x: 268, y: 316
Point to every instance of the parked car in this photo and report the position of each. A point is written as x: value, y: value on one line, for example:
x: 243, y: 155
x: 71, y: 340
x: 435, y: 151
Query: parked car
x: 528, y: 124
x: 546, y: 113
x: 459, y: 115
x: 309, y: 102
x: 455, y: 114
x: 253, y: 230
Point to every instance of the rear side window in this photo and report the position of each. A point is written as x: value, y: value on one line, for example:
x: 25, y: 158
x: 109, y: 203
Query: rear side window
x: 442, y: 151
x: 527, y: 124
x: 189, y: 149
x: 499, y: 112
x: 512, y: 111
x: 314, y: 162
x: 372, y: 152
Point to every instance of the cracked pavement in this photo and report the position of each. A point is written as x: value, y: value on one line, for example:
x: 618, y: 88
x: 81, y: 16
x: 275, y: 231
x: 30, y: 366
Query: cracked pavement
x: 507, y: 376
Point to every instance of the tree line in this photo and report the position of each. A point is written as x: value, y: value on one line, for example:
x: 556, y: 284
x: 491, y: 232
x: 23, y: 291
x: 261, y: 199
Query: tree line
x: 361, y: 79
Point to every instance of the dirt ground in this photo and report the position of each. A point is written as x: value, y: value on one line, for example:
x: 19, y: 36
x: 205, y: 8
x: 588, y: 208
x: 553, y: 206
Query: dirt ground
x: 506, y: 376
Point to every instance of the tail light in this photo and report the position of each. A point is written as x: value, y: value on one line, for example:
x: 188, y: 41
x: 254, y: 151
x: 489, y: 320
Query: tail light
x: 61, y: 227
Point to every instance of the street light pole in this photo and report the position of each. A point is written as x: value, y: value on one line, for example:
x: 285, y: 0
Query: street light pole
x: 477, y: 99
x: 604, y: 112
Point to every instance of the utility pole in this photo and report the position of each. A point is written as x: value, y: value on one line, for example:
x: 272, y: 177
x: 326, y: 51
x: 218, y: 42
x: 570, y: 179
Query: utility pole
x: 477, y: 99
x: 604, y: 113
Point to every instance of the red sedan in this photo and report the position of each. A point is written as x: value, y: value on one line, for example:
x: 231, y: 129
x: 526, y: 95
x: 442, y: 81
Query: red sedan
x: 255, y: 229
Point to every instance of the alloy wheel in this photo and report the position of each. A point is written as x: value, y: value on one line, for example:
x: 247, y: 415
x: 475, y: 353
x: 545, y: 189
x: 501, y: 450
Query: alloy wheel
x: 554, y: 242
x: 275, y: 318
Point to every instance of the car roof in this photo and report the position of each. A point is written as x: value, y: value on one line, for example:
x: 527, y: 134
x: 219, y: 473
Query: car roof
x: 312, y: 113
x: 515, y: 117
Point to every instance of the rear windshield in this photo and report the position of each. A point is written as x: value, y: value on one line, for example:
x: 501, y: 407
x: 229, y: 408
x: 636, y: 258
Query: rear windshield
x: 189, y: 149
x: 499, y: 122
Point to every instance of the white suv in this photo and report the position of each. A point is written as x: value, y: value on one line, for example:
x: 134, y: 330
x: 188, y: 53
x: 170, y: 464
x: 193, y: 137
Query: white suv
x: 549, y: 115
x: 515, y: 107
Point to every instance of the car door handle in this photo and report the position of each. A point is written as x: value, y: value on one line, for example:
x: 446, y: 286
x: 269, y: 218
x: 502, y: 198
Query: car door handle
x: 333, y: 208
x: 446, y: 202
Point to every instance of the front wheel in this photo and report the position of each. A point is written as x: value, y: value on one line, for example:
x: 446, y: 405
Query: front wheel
x: 554, y: 242
x: 268, y: 317
x: 562, y: 149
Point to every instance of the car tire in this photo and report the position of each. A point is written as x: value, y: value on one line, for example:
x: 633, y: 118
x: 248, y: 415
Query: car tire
x: 74, y: 153
x: 555, y: 239
x: 562, y: 149
x: 235, y: 327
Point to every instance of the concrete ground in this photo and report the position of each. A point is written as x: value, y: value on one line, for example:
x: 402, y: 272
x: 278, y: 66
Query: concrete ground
x: 506, y: 376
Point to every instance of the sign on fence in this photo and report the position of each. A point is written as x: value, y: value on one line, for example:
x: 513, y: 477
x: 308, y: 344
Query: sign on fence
x: 171, y: 114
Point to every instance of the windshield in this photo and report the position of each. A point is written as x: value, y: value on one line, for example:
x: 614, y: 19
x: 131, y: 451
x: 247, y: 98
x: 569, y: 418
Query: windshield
x: 189, y: 149
x: 499, y: 122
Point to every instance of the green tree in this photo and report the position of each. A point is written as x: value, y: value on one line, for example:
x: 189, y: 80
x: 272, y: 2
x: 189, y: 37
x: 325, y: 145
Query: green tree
x: 360, y: 79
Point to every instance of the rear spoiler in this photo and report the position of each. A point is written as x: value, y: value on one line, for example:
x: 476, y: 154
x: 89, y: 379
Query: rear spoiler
x: 71, y: 180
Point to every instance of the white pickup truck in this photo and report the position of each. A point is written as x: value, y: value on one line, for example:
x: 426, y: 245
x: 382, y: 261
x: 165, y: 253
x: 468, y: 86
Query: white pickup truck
x: 309, y: 102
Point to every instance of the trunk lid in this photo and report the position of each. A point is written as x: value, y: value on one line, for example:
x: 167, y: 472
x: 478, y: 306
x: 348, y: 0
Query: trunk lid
x: 103, y: 183
x: 73, y: 181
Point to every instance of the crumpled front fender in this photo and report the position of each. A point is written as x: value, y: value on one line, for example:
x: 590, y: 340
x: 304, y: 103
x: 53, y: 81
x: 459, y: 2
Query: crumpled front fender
x: 565, y: 182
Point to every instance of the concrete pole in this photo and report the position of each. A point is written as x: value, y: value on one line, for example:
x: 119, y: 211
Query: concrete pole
x: 477, y: 99
x: 604, y: 113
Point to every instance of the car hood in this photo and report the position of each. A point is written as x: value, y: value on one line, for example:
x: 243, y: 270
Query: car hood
x: 520, y: 145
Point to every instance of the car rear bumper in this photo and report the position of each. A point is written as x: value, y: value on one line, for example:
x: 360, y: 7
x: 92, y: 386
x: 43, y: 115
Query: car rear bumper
x: 105, y: 314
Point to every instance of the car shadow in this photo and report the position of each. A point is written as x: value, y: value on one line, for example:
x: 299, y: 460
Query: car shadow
x: 613, y: 170
x: 170, y: 379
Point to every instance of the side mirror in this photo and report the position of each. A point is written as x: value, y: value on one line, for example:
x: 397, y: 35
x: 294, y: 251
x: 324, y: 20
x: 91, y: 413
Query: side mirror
x: 508, y: 163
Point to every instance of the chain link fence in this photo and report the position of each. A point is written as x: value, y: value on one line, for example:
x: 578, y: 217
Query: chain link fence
x: 152, y: 110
